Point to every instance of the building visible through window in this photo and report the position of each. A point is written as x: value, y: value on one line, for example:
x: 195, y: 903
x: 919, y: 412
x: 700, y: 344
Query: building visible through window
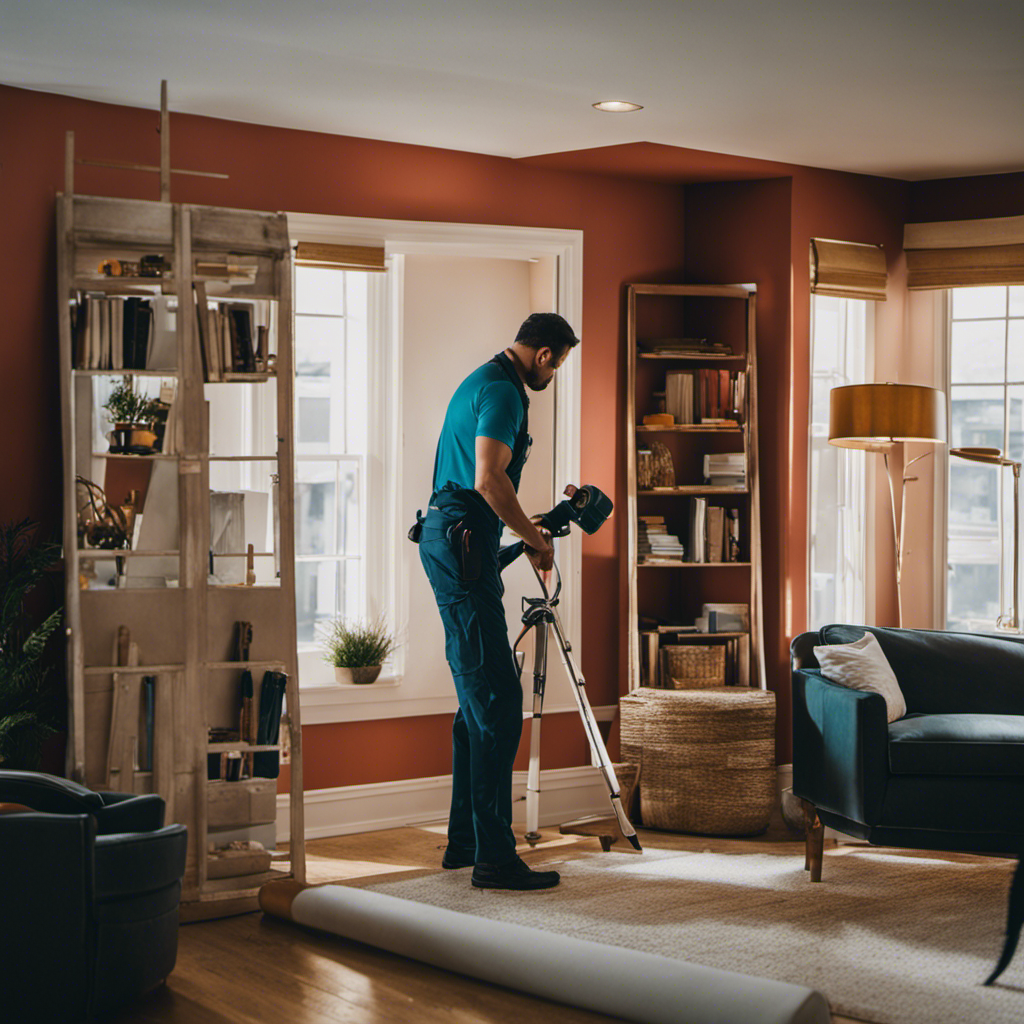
x: 986, y: 404
x: 332, y: 397
x: 837, y: 561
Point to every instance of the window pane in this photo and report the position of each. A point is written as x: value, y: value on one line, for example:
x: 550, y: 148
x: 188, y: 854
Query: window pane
x: 319, y: 341
x: 975, y: 302
x: 1017, y: 300
x: 1015, y: 350
x: 836, y: 475
x: 319, y: 290
x: 316, y: 597
x: 976, y: 353
x: 315, y: 508
x: 314, y: 420
x: 976, y: 417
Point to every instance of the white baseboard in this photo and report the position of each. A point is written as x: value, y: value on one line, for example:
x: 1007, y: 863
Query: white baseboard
x: 566, y: 793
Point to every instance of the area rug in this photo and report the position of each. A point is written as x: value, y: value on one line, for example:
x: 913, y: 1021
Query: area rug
x: 888, y: 936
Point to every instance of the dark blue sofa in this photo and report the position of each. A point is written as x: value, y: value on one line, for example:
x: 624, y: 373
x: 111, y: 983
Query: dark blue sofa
x: 949, y: 775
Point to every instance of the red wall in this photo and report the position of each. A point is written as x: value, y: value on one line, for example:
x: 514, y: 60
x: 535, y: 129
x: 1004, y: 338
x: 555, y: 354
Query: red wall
x: 632, y: 232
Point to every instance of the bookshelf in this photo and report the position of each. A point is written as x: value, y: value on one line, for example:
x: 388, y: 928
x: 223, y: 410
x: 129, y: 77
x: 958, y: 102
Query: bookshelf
x: 692, y: 354
x: 155, y: 652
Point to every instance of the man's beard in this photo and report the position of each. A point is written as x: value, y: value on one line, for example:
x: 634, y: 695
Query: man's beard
x: 532, y: 380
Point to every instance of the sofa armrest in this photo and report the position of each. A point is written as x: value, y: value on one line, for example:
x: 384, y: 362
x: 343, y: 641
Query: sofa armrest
x: 47, y: 793
x: 138, y: 862
x: 128, y: 812
x: 840, y: 747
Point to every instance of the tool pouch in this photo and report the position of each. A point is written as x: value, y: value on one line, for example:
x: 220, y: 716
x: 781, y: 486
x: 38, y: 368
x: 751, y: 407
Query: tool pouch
x: 466, y: 550
x: 416, y: 530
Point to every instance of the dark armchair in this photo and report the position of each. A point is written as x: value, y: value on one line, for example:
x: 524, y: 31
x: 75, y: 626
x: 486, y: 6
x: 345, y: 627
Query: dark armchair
x: 89, y: 891
x: 949, y: 775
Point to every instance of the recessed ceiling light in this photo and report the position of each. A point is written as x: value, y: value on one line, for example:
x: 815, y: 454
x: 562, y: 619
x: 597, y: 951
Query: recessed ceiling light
x: 617, y: 106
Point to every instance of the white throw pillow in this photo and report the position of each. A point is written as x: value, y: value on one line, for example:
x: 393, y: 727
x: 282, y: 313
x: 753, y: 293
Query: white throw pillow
x: 862, y: 665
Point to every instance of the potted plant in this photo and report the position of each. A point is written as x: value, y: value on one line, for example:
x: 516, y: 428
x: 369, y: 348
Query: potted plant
x: 26, y: 711
x: 357, y: 652
x: 132, y: 414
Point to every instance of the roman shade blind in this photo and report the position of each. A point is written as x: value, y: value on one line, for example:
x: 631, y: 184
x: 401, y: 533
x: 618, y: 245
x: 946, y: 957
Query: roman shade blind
x: 960, y: 253
x: 849, y: 270
x: 340, y: 257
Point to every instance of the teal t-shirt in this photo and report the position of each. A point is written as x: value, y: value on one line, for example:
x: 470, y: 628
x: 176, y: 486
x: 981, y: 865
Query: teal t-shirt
x: 485, y: 404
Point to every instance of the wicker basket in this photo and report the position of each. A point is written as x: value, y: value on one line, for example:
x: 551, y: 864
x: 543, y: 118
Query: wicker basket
x: 707, y: 757
x: 692, y: 666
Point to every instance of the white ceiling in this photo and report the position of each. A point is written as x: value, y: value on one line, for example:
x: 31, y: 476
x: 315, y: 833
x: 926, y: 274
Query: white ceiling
x: 913, y: 89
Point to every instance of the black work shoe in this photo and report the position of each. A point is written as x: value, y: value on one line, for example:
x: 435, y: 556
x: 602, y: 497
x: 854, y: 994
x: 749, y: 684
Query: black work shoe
x: 452, y: 861
x: 513, y: 874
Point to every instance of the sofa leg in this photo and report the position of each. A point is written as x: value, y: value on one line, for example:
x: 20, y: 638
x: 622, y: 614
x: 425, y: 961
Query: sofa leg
x: 814, y: 841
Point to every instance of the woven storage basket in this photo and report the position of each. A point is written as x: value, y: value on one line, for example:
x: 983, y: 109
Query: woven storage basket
x: 706, y: 757
x: 692, y: 666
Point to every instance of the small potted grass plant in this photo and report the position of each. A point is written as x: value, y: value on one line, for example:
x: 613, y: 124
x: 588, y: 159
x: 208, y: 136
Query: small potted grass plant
x: 357, y: 651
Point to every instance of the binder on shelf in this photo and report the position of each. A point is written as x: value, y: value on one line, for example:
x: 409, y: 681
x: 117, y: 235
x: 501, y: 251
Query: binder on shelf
x: 267, y: 763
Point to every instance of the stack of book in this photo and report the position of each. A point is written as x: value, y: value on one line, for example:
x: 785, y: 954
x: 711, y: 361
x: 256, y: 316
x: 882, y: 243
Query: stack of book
x: 112, y: 333
x: 684, y: 347
x: 705, y: 395
x: 726, y: 470
x: 714, y: 532
x: 654, y: 543
x: 231, y: 340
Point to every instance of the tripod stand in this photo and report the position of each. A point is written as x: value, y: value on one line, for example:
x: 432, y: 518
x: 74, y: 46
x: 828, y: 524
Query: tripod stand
x: 539, y: 615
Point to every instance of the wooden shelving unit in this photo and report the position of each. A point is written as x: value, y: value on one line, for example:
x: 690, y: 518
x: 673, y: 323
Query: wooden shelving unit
x: 181, y: 632
x: 724, y: 314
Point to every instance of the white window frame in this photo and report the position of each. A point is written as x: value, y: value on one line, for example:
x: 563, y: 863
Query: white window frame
x: 865, y: 519
x: 385, y: 699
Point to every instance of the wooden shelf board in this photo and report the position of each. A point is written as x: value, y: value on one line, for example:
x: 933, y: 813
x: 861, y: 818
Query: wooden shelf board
x: 130, y: 455
x: 245, y: 664
x: 122, y: 285
x: 707, y: 291
x: 105, y: 553
x: 135, y: 670
x: 172, y: 372
x: 243, y: 378
x: 229, y: 888
x: 692, y: 489
x: 245, y: 748
x: 687, y: 634
x: 691, y: 565
x: 695, y: 357
x: 694, y: 428
x: 243, y: 587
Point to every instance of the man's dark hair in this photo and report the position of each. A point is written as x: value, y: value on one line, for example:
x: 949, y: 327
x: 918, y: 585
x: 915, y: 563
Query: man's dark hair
x: 547, y: 330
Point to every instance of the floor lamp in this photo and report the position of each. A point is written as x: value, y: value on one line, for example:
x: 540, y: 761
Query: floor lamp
x: 994, y: 457
x: 882, y: 418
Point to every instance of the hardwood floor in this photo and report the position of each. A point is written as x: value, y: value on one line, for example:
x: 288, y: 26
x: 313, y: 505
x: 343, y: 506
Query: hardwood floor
x: 256, y: 970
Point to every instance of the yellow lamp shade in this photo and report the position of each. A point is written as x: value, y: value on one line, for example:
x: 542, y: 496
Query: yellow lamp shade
x: 877, y: 416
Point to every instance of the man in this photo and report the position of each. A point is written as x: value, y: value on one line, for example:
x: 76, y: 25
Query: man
x: 483, y: 446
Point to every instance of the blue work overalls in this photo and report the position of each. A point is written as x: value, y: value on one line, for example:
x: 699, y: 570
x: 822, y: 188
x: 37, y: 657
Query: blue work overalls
x: 487, y: 727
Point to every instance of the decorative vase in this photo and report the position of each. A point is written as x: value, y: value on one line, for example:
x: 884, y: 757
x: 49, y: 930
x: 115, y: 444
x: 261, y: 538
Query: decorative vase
x: 359, y: 675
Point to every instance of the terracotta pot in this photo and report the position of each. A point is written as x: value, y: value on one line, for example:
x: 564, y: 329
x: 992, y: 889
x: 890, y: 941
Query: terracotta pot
x: 362, y: 674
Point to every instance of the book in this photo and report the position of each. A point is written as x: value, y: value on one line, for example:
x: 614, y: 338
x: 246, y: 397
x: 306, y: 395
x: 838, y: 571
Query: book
x: 698, y: 523
x: 715, y: 533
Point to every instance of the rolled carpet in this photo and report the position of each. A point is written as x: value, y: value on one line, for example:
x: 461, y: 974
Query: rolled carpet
x: 635, y: 986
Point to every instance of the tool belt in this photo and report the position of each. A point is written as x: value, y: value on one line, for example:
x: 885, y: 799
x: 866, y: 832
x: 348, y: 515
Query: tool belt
x: 465, y: 535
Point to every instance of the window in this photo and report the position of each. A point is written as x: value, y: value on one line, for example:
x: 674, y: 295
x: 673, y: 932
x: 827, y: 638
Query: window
x: 986, y: 406
x: 836, y: 557
x: 335, y: 333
